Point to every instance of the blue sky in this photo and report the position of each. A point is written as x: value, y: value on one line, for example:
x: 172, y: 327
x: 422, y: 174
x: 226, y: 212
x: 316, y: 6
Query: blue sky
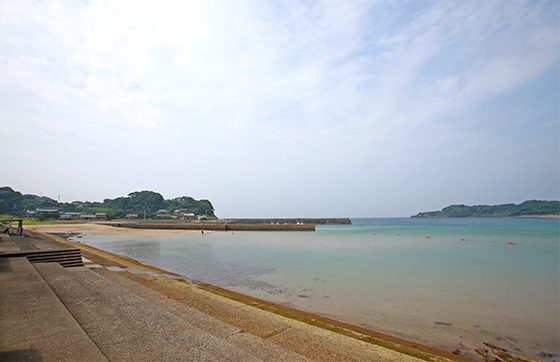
x: 283, y: 109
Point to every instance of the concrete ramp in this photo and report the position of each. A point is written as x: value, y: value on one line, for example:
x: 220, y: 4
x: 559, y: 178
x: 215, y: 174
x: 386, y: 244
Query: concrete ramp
x: 127, y: 327
x: 35, y: 324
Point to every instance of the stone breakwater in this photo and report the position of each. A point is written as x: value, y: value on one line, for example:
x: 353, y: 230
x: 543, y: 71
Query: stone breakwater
x: 294, y: 224
x: 292, y: 221
x: 217, y: 226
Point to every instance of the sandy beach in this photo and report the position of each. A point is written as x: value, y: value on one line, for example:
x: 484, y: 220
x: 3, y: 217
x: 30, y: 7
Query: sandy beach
x: 104, y: 229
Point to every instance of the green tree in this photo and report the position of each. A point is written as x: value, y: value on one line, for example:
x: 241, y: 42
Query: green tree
x: 14, y: 203
x: 527, y: 208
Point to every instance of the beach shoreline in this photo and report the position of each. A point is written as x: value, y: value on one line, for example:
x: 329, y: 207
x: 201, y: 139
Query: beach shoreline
x: 61, y: 233
x: 105, y: 229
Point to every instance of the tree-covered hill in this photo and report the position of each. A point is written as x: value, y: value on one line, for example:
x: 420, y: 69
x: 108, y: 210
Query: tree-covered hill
x: 150, y: 202
x: 14, y: 203
x: 140, y: 202
x: 527, y: 208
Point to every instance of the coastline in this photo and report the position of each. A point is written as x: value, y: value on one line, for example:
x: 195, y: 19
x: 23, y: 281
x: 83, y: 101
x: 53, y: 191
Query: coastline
x: 105, y: 229
x: 58, y: 233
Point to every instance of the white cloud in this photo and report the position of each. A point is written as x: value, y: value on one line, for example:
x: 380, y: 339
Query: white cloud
x: 293, y: 94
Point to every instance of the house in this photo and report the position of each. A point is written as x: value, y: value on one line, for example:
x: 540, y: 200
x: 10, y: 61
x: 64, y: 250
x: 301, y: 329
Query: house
x: 46, y: 210
x: 184, y: 214
x: 65, y: 217
x: 131, y: 216
x: 100, y: 216
x: 69, y: 216
x: 163, y: 214
x: 87, y: 217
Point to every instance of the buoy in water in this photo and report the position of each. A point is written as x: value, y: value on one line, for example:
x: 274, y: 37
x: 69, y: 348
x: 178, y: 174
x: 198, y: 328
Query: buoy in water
x: 398, y: 234
x: 374, y: 233
x: 427, y: 237
x: 463, y: 239
x: 510, y: 243
x: 354, y: 232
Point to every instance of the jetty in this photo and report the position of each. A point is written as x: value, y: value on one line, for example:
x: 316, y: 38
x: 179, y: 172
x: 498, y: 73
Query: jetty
x: 112, y: 308
x: 293, y: 224
x: 292, y: 221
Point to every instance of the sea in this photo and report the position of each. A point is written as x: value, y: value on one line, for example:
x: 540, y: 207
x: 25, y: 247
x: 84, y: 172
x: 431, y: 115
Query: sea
x: 452, y: 284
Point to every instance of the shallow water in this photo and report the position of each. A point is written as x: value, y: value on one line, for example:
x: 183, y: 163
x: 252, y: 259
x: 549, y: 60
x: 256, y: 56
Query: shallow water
x: 441, y: 291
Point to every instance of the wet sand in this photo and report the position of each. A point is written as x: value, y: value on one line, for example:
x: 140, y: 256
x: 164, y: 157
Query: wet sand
x: 103, y: 229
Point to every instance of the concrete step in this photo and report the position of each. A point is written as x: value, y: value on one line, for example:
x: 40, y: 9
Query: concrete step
x: 61, y: 252
x: 128, y: 327
x: 65, y: 257
x: 53, y: 256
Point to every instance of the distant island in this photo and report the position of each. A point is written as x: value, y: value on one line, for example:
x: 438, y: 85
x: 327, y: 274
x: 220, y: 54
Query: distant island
x: 138, y: 204
x: 531, y: 208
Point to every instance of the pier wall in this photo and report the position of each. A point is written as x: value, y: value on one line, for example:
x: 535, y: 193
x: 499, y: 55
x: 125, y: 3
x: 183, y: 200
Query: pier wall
x: 220, y: 226
x: 289, y: 221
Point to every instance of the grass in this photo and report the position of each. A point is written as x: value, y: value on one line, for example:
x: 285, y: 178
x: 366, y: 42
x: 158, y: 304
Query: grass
x: 33, y: 222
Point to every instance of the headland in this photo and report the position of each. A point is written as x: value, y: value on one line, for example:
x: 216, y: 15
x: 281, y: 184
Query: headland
x: 527, y: 209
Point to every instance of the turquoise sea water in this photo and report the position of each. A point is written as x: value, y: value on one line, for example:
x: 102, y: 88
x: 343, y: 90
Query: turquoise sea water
x: 441, y: 291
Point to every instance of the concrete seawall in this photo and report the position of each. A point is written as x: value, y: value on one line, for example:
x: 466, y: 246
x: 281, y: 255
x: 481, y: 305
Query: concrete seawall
x: 291, y: 221
x: 272, y: 224
x: 219, y: 226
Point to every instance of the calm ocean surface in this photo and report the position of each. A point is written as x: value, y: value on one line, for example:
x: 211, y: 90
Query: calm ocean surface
x: 441, y: 291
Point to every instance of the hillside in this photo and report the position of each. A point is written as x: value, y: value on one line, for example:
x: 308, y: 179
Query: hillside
x: 527, y: 208
x: 140, y: 202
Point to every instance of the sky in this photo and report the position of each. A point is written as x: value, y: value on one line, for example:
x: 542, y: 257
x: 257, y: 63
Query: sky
x: 283, y: 108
